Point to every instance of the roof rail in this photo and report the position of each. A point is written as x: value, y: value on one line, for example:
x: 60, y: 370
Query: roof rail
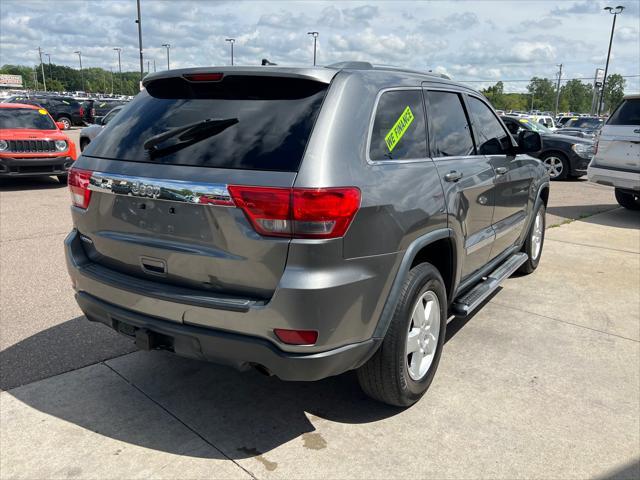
x: 352, y: 65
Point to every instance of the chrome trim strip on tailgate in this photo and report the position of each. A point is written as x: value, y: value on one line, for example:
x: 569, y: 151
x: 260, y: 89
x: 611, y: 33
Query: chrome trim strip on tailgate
x: 161, y: 189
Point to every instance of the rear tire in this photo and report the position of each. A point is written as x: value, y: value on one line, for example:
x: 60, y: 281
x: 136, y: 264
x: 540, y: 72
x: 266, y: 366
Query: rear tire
x: 629, y: 200
x: 62, y: 178
x: 557, y: 165
x: 534, y: 242
x: 66, y: 121
x: 394, y: 375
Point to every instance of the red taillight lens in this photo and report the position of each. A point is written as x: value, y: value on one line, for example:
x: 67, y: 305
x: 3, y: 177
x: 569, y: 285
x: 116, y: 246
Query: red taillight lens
x: 203, y: 77
x: 82, y: 111
x: 296, y: 337
x: 298, y: 212
x: 78, y: 181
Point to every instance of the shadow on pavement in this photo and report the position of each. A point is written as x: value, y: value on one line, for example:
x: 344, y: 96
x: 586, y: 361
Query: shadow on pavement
x: 59, y: 349
x: 29, y: 183
x: 241, y: 414
x: 628, y: 472
x: 621, y: 218
x: 580, y: 212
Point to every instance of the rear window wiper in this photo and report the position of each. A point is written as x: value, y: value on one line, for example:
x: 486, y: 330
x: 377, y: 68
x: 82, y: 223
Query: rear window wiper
x: 188, y: 134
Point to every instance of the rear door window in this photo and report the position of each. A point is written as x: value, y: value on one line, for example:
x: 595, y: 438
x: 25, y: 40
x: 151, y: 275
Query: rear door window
x: 399, y: 127
x: 449, y: 132
x: 242, y: 122
x: 628, y: 113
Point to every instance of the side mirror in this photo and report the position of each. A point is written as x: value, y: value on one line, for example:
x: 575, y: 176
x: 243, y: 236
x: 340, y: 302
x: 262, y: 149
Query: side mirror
x: 60, y: 125
x: 529, y: 142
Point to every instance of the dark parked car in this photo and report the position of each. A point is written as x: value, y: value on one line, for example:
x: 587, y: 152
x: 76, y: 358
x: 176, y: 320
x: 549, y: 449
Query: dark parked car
x: 564, y: 156
x: 299, y: 221
x: 582, y: 127
x: 65, y: 110
x: 98, y: 108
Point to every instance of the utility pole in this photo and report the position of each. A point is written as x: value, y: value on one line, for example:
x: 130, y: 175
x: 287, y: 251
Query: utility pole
x: 148, y: 63
x: 118, y: 49
x: 111, y: 80
x: 139, y: 22
x: 154, y: 65
x: 231, y: 41
x: 81, y: 72
x: 315, y: 38
x: 167, y: 46
x: 614, y: 12
x: 44, y: 81
x: 558, y: 90
x: 50, y: 73
x: 35, y: 79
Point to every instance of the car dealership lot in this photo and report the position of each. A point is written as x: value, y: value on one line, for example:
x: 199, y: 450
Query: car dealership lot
x: 541, y: 382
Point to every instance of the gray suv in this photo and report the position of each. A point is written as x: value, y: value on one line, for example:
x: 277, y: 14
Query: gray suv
x: 303, y: 221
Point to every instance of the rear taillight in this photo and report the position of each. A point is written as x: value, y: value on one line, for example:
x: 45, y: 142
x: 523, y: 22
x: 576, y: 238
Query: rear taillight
x: 298, y: 212
x: 82, y: 111
x: 78, y: 181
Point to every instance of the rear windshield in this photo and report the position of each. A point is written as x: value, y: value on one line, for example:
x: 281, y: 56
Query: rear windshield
x: 256, y: 123
x: 628, y: 113
x: 26, y: 118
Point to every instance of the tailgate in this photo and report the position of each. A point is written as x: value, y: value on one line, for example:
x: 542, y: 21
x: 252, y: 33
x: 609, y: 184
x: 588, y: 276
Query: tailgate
x: 160, y: 208
x: 619, y: 147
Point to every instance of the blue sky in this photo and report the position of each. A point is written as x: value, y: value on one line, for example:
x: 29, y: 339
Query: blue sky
x: 467, y: 39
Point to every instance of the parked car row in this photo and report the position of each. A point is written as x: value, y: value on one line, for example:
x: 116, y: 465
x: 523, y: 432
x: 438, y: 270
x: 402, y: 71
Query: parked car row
x: 68, y: 110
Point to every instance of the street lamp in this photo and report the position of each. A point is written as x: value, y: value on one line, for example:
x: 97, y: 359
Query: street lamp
x: 167, y: 46
x: 613, y: 11
x: 118, y: 49
x: 139, y: 22
x: 231, y: 41
x: 81, y: 73
x: 315, y: 38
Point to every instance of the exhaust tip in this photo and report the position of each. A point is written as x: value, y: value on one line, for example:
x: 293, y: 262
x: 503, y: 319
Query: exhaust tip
x: 262, y: 369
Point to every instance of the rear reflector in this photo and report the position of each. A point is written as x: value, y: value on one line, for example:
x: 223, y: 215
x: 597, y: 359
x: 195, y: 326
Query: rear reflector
x: 298, y: 212
x: 296, y: 337
x: 78, y: 181
x: 203, y: 77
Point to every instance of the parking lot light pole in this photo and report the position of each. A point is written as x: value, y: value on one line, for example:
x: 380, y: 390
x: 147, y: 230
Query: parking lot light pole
x: 315, y: 38
x: 167, y: 46
x: 231, y: 41
x: 81, y: 72
x: 118, y: 49
x: 139, y: 22
x: 613, y: 11
x: 44, y: 81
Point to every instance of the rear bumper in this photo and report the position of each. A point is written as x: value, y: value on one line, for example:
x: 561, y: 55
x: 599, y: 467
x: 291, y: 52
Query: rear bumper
x: 34, y: 166
x: 618, y: 178
x: 342, y: 303
x: 239, y: 351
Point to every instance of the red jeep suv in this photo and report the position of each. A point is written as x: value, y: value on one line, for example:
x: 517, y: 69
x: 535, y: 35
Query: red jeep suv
x: 31, y: 143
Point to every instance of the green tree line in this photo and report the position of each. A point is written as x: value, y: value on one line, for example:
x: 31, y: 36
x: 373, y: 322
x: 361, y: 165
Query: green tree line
x: 66, y: 79
x: 575, y: 96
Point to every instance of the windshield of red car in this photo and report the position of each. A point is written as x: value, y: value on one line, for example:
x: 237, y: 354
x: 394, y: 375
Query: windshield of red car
x: 25, y: 118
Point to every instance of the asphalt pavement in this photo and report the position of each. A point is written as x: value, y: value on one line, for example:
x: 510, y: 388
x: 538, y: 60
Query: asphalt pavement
x: 542, y: 382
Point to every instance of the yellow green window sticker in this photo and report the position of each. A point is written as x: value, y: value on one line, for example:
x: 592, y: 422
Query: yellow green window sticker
x: 399, y: 129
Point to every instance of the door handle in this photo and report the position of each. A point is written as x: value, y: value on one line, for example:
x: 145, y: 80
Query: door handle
x: 453, y: 176
x: 501, y: 170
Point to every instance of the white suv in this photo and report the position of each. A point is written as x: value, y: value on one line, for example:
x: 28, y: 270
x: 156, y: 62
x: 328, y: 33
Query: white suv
x: 617, y: 159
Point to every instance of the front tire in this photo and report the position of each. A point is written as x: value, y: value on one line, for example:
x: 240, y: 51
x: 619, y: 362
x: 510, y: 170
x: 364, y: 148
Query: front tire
x: 557, y: 165
x: 534, y: 242
x: 402, y: 369
x: 626, y: 199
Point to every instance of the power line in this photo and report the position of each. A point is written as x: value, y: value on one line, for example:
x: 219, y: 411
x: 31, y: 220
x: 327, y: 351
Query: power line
x: 528, y: 79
